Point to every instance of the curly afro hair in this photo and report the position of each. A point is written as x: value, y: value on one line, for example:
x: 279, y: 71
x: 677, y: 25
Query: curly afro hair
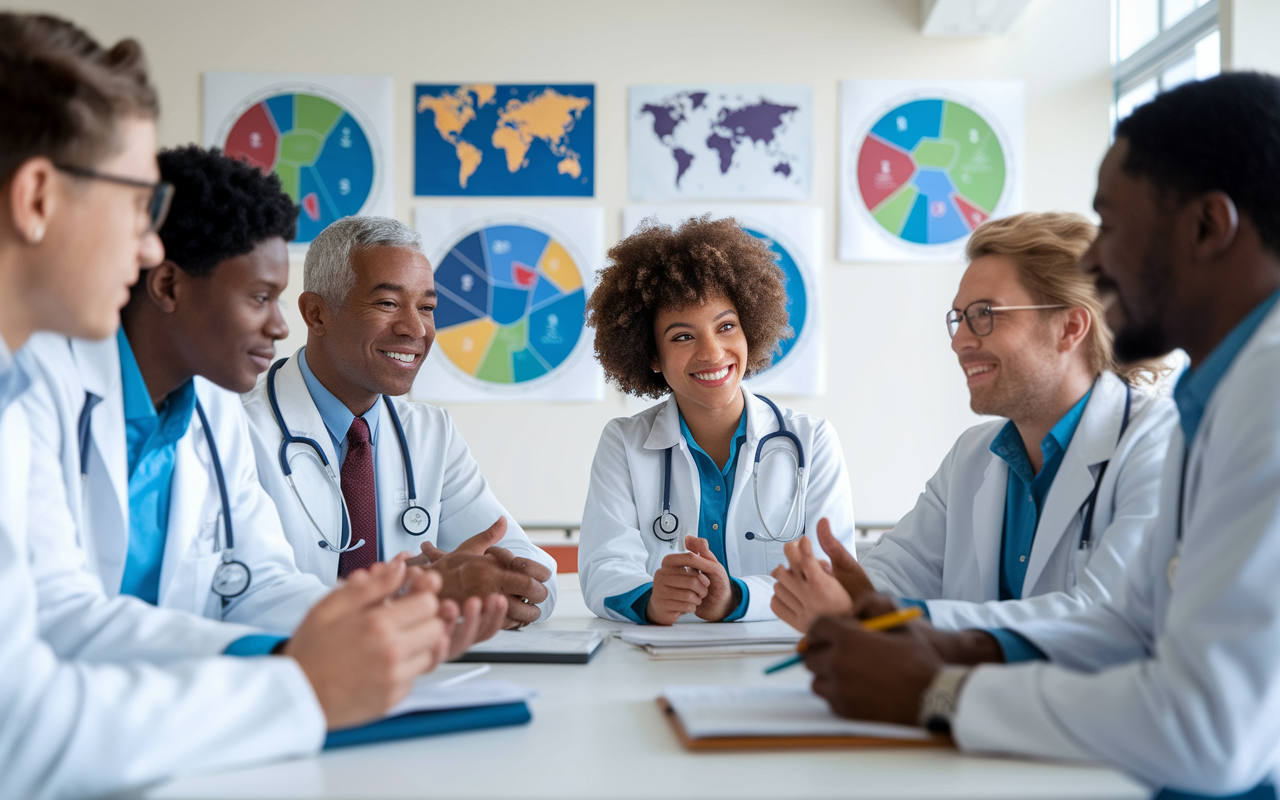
x: 222, y: 208
x: 660, y: 268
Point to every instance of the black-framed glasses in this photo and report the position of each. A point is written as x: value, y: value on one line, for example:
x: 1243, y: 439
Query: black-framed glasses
x: 161, y: 191
x: 981, y: 316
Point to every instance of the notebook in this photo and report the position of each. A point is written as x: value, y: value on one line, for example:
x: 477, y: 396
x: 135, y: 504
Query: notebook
x: 534, y: 646
x: 729, y: 717
x: 431, y: 708
x: 712, y: 640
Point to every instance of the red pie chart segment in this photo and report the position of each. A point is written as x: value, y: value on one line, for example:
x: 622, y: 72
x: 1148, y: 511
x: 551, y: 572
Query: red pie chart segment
x: 882, y: 168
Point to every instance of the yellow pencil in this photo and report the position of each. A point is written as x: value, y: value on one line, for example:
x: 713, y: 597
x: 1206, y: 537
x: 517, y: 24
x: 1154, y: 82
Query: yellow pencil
x: 883, y: 622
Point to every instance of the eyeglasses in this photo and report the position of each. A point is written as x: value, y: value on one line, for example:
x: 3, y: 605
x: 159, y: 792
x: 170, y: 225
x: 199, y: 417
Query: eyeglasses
x: 157, y: 206
x: 981, y: 317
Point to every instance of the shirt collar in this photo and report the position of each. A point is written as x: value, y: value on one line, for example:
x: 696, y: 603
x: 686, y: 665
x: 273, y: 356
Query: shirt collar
x: 337, y: 417
x: 1196, y: 386
x: 14, y: 380
x: 1008, y: 443
x: 178, y: 406
x: 739, y: 436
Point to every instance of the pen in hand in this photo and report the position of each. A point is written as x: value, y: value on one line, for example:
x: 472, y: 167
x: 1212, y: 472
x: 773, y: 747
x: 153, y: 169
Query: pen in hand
x: 884, y: 622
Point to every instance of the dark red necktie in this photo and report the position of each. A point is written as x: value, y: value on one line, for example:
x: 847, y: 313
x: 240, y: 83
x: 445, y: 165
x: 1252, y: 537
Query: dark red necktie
x: 362, y: 500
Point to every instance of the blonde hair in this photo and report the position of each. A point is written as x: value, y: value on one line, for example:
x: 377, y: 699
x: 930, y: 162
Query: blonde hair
x: 1047, y: 249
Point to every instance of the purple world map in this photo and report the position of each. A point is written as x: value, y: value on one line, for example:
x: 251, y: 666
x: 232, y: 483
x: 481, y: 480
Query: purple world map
x: 724, y: 133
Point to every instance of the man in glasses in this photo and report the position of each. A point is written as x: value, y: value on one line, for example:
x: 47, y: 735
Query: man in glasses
x: 1037, y: 514
x: 1176, y: 679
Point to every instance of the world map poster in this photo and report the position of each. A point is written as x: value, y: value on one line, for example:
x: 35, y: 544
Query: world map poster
x: 734, y: 141
x: 504, y: 140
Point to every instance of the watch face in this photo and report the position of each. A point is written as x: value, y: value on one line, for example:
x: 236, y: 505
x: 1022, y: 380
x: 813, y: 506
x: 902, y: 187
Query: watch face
x: 230, y: 579
x: 416, y: 520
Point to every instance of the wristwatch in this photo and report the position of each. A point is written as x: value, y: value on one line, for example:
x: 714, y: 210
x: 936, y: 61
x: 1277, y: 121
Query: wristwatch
x: 938, y: 705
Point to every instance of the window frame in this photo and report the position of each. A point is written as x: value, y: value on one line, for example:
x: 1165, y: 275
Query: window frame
x: 1169, y: 46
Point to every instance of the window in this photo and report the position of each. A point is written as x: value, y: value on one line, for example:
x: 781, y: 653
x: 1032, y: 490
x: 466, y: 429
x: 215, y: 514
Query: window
x: 1159, y: 44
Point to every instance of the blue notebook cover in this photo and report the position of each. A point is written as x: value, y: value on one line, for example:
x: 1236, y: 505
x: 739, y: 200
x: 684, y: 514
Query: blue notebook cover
x: 428, y: 723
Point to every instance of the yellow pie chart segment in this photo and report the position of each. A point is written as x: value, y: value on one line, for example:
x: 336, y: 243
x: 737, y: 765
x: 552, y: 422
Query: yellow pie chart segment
x: 466, y: 344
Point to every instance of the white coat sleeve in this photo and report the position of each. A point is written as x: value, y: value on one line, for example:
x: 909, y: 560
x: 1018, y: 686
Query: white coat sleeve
x: 1136, y: 501
x: 74, y: 729
x: 907, y: 561
x: 279, y: 594
x: 612, y: 558
x: 468, y: 507
x: 1201, y: 712
x: 827, y: 496
x: 76, y: 617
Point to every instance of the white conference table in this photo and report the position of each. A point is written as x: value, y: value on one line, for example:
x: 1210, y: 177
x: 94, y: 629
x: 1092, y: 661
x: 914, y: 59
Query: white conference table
x: 598, y: 733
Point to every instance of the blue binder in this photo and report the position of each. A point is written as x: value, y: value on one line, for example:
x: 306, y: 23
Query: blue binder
x: 429, y: 723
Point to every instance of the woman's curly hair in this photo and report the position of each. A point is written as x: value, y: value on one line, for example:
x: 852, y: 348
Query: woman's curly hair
x: 660, y: 268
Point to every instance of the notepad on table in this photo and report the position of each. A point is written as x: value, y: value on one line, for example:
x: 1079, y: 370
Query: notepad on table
x: 713, y: 640
x: 728, y: 717
x: 534, y: 646
x: 433, y: 708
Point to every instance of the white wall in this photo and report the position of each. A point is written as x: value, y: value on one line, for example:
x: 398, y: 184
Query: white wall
x: 895, y: 394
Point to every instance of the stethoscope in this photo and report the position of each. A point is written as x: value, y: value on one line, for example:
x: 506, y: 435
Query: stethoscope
x: 1086, y: 534
x: 416, y: 520
x: 232, y: 577
x: 666, y: 525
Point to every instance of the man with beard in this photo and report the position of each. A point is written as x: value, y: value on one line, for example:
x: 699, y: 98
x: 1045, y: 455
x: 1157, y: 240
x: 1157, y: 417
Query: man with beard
x: 1177, y: 680
x: 1035, y: 515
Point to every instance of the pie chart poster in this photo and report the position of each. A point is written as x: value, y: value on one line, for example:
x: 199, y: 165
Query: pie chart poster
x: 327, y: 137
x: 513, y: 283
x: 924, y: 163
x: 794, y: 234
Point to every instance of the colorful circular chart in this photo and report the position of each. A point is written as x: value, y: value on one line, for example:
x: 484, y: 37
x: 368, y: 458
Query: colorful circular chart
x: 511, y: 305
x: 797, y: 296
x: 319, y: 150
x: 931, y: 170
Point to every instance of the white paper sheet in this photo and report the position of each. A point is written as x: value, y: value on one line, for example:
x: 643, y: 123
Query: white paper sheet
x: 709, y: 711
x: 429, y: 695
x: 706, y: 635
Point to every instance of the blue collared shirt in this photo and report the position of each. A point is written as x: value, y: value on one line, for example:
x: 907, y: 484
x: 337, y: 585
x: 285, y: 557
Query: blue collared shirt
x: 1025, y: 493
x: 14, y: 379
x: 1196, y: 386
x: 337, y: 417
x: 716, y: 487
x: 151, y: 437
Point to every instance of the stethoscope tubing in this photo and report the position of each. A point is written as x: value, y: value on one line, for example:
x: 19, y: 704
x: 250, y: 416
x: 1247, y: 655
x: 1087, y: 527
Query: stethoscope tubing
x: 669, y: 520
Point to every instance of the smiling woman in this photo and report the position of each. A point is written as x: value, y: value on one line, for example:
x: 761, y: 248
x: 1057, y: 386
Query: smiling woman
x: 691, y: 312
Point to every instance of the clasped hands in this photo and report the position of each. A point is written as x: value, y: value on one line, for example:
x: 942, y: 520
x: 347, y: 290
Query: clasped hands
x: 691, y: 583
x: 864, y: 674
x: 501, y: 584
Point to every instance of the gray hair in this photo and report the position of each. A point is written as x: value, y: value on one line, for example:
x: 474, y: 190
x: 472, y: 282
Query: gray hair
x: 327, y: 270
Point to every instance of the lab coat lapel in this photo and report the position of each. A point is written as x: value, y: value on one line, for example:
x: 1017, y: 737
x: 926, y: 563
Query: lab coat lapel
x: 98, y: 365
x: 389, y: 485
x: 195, y: 507
x: 300, y: 412
x: 1093, y: 443
x: 988, y: 524
x: 666, y: 427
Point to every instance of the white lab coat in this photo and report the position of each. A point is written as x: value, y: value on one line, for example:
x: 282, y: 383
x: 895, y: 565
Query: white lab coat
x: 1177, y: 685
x: 279, y: 595
x: 619, y: 552
x: 74, y: 724
x: 947, y: 549
x: 449, y: 483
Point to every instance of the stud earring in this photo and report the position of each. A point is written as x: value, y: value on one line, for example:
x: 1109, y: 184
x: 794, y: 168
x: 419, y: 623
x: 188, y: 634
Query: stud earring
x: 37, y: 234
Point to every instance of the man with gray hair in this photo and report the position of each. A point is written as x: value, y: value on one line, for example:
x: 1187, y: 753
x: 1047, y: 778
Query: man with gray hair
x: 359, y: 474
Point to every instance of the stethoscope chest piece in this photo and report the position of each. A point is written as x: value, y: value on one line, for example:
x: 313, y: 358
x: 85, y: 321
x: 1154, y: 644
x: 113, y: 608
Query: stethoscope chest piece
x: 666, y: 525
x: 231, y: 578
x: 416, y: 520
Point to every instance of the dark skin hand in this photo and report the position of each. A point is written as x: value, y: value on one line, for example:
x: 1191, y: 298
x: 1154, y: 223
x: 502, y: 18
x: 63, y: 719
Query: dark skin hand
x: 691, y: 583
x: 478, y: 568
x: 851, y: 666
